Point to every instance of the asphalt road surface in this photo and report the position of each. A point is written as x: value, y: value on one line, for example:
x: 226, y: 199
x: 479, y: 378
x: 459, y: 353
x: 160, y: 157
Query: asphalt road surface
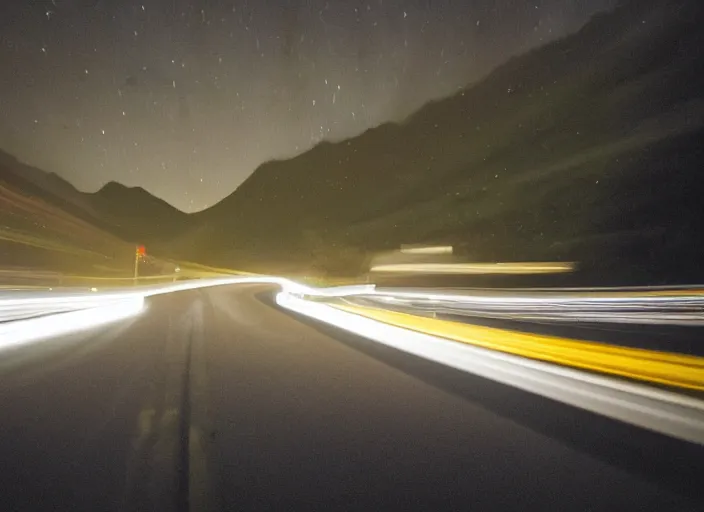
x: 216, y: 400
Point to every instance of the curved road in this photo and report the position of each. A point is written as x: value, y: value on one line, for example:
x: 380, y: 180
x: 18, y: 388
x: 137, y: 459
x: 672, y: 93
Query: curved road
x: 216, y: 400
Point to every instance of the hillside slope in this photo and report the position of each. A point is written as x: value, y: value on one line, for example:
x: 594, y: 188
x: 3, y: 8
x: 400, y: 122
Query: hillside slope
x: 135, y: 214
x: 132, y: 214
x: 586, y: 149
x: 38, y: 234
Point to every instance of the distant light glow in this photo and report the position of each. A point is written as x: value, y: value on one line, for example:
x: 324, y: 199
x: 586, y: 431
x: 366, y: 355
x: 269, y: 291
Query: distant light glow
x: 441, y: 249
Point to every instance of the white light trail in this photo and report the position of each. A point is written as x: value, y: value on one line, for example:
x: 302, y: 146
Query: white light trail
x: 31, y: 304
x: 668, y: 413
x: 45, y: 315
x: 645, y: 307
x: 13, y: 334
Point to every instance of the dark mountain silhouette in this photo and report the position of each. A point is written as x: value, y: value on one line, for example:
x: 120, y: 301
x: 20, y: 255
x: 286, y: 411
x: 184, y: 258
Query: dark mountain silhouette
x: 132, y: 214
x: 46, y: 224
x: 136, y: 214
x: 587, y: 149
x: 42, y: 183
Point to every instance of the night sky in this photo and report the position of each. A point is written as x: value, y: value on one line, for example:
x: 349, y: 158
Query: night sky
x: 187, y: 98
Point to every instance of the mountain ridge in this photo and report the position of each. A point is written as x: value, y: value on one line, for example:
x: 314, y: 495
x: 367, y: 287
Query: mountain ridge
x: 132, y: 213
x: 517, y: 165
x: 566, y: 152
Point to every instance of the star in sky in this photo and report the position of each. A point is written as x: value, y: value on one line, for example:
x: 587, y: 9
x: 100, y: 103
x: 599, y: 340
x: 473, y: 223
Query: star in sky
x: 187, y: 97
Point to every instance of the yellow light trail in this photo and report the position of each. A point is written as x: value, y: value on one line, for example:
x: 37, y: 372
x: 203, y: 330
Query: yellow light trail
x: 670, y: 369
x: 477, y: 268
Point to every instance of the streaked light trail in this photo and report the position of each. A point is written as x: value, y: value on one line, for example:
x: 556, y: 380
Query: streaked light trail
x: 661, y: 411
x: 675, y: 370
x: 31, y: 316
x: 644, y: 306
x: 475, y: 268
x: 20, y: 332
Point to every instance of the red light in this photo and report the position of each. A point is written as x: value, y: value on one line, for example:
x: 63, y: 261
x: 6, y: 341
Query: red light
x: 141, y: 251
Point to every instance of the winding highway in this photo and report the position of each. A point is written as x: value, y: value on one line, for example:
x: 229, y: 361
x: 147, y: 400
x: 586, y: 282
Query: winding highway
x: 218, y: 399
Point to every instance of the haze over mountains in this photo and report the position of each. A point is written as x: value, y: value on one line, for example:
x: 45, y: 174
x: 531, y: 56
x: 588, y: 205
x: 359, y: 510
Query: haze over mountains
x: 131, y: 212
x: 588, y: 149
x: 45, y: 223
